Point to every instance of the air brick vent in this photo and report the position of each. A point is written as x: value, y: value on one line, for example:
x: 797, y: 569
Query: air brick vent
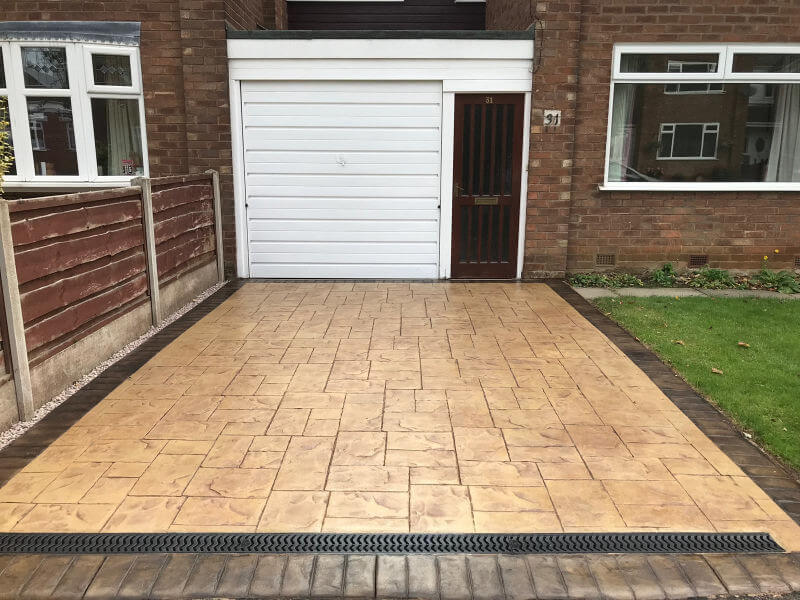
x: 605, y: 260
x: 698, y: 260
x: 797, y: 262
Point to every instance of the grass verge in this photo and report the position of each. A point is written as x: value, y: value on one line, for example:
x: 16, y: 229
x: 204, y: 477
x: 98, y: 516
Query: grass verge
x: 759, y: 383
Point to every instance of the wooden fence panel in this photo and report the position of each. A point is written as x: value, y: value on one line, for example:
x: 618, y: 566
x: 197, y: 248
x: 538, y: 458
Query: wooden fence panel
x: 80, y: 263
x: 183, y: 214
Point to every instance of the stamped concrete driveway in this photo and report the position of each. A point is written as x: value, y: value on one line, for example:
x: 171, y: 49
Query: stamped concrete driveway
x: 386, y: 407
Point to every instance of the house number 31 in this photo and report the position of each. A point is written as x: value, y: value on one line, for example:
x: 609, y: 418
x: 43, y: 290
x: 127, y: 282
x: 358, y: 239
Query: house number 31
x: 552, y: 118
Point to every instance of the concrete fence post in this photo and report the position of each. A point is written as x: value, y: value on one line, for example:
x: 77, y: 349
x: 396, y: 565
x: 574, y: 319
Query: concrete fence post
x: 150, y: 246
x: 218, y: 224
x: 16, y: 326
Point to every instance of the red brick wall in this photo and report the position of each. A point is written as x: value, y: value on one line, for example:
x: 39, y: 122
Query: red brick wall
x: 161, y: 64
x: 183, y: 48
x: 247, y: 14
x: 569, y: 219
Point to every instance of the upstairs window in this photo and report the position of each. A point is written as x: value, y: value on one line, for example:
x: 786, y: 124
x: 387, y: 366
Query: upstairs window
x: 76, y: 112
x: 704, y: 117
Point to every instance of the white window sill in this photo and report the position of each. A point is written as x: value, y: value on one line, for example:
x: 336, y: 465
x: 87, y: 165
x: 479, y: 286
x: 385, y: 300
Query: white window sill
x: 700, y: 187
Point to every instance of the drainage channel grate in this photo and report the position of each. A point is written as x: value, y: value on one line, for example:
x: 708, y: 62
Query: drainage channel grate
x: 556, y: 543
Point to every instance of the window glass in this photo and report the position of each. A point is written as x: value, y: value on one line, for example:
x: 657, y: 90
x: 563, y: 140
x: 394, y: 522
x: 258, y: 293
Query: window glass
x: 766, y: 63
x: 52, y: 136
x: 2, y: 71
x: 112, y: 69
x: 657, y: 136
x: 45, y: 67
x: 117, y: 137
x: 4, y: 116
x: 669, y: 63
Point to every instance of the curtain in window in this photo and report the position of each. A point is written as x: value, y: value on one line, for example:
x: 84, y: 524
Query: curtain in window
x: 621, y: 121
x: 621, y: 116
x: 123, y: 143
x: 784, y: 154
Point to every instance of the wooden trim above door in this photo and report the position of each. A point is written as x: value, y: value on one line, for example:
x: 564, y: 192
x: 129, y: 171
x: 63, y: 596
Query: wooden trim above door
x: 487, y: 180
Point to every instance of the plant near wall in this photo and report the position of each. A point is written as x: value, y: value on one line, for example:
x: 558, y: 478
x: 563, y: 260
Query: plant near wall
x: 712, y: 279
x: 785, y: 282
x: 665, y: 276
x: 6, y: 151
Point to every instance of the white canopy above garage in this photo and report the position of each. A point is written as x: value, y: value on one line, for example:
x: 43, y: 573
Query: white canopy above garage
x: 343, y: 147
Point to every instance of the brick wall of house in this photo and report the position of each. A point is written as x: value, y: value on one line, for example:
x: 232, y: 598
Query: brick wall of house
x: 185, y: 80
x: 569, y: 219
x: 248, y: 14
x: 162, y: 65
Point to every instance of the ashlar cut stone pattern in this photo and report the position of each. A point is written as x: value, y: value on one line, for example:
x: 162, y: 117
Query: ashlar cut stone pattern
x: 388, y: 407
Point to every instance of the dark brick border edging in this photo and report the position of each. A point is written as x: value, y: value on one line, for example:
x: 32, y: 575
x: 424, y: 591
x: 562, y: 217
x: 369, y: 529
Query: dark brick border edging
x: 772, y: 477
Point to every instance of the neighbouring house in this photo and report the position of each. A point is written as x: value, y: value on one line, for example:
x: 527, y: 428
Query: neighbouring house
x: 428, y: 138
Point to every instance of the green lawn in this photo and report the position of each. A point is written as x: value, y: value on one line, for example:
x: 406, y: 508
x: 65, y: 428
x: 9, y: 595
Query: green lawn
x: 759, y: 386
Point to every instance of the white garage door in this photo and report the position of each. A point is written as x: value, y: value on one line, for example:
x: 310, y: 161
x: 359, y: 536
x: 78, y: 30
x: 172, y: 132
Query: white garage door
x: 342, y: 178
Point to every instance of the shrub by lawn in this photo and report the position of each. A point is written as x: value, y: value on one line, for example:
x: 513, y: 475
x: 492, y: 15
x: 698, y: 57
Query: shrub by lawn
x: 759, y: 386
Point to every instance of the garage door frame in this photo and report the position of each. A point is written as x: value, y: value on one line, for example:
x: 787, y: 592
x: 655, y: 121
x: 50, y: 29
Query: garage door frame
x: 464, y: 62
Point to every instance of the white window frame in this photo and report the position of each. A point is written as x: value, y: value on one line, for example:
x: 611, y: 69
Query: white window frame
x: 81, y: 91
x: 675, y: 126
x: 726, y: 53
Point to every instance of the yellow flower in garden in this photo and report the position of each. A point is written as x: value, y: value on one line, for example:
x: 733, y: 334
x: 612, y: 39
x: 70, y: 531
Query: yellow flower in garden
x: 777, y: 251
x: 766, y: 257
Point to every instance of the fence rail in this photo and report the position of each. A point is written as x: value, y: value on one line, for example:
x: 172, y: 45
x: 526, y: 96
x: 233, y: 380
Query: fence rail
x: 82, y: 261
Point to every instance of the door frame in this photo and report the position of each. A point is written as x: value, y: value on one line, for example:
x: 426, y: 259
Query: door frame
x: 446, y: 193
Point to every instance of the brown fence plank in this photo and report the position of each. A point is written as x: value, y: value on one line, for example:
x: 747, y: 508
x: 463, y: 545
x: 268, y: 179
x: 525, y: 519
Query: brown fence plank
x: 39, y: 227
x: 43, y: 202
x: 167, y: 229
x: 60, y: 291
x: 63, y: 254
x: 182, y: 250
x: 165, y: 199
x: 80, y: 313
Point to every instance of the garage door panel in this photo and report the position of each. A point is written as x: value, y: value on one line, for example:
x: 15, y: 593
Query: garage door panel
x: 259, y: 142
x: 321, y: 258
x: 332, y: 168
x: 349, y: 192
x: 295, y: 96
x: 338, y: 182
x: 337, y: 120
x: 346, y: 271
x: 324, y: 157
x: 392, y: 208
x: 402, y: 234
x: 345, y: 109
x: 363, y: 229
x: 332, y: 135
x: 343, y: 178
x: 339, y: 214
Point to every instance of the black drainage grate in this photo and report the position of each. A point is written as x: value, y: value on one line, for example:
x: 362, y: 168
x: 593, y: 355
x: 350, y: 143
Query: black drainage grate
x: 479, y: 543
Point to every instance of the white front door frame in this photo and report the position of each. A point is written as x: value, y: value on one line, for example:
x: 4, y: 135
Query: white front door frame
x: 462, y: 66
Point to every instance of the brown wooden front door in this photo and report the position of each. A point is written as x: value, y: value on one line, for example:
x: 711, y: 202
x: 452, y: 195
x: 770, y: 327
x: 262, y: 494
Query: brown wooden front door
x: 487, y: 169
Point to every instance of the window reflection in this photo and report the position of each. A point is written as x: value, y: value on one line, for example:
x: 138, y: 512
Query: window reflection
x: 52, y: 136
x: 5, y: 116
x: 746, y: 132
x: 117, y: 136
x: 45, y: 67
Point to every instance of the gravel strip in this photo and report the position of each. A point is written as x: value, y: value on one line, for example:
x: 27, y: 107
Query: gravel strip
x: 16, y: 430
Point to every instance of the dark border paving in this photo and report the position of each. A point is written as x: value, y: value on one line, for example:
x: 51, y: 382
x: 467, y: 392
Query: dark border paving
x: 450, y: 577
x: 780, y: 483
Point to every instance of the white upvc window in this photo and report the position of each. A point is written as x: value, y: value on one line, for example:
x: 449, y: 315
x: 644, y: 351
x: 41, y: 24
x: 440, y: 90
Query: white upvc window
x: 76, y: 113
x: 665, y: 125
x: 688, y: 141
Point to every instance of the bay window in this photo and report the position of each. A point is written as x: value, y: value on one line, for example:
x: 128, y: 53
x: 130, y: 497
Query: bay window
x: 704, y: 117
x: 76, y: 112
